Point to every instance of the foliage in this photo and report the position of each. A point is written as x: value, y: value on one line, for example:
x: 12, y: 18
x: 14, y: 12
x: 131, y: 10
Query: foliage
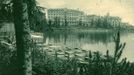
x: 7, y: 58
x: 57, y: 22
x: 35, y: 14
x: 6, y: 10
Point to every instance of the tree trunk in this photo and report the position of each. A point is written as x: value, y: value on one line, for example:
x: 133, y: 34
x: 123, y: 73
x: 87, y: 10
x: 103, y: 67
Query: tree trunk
x: 23, y: 38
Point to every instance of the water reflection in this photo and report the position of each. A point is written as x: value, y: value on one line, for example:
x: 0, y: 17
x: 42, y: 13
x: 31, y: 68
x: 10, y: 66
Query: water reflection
x: 95, y: 41
x: 77, y: 38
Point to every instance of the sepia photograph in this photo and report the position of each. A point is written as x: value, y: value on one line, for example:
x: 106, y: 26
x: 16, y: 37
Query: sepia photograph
x: 66, y: 37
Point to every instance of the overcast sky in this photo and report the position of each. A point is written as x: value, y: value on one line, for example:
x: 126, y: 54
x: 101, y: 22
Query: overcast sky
x: 121, y: 8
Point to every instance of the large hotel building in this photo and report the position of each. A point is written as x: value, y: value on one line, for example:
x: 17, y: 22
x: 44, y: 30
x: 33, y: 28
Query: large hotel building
x: 75, y: 16
x: 70, y: 15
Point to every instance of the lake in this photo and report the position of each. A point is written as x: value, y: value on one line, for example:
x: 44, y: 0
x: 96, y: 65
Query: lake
x: 92, y: 40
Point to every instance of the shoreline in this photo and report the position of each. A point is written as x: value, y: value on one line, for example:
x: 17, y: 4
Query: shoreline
x: 92, y: 29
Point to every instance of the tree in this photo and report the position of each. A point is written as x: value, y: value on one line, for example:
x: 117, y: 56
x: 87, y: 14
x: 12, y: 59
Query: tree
x: 80, y: 22
x: 56, y: 22
x: 23, y: 38
x: 98, y: 23
x: 36, y: 16
x: 39, y: 20
x: 6, y: 10
x: 65, y: 18
x: 119, y: 47
x: 92, y: 22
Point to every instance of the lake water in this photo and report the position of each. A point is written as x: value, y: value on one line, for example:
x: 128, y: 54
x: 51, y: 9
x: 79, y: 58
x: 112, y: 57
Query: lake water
x: 92, y: 40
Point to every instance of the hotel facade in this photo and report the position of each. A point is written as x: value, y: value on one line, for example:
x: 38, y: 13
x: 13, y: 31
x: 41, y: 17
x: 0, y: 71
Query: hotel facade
x: 75, y: 17
x: 63, y: 14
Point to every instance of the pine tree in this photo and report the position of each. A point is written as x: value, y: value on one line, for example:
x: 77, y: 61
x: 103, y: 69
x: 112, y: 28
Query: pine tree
x: 23, y: 39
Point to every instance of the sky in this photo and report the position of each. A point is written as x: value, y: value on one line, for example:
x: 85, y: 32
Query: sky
x: 121, y: 8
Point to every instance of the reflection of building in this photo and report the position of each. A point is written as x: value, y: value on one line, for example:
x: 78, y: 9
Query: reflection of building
x: 70, y: 15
